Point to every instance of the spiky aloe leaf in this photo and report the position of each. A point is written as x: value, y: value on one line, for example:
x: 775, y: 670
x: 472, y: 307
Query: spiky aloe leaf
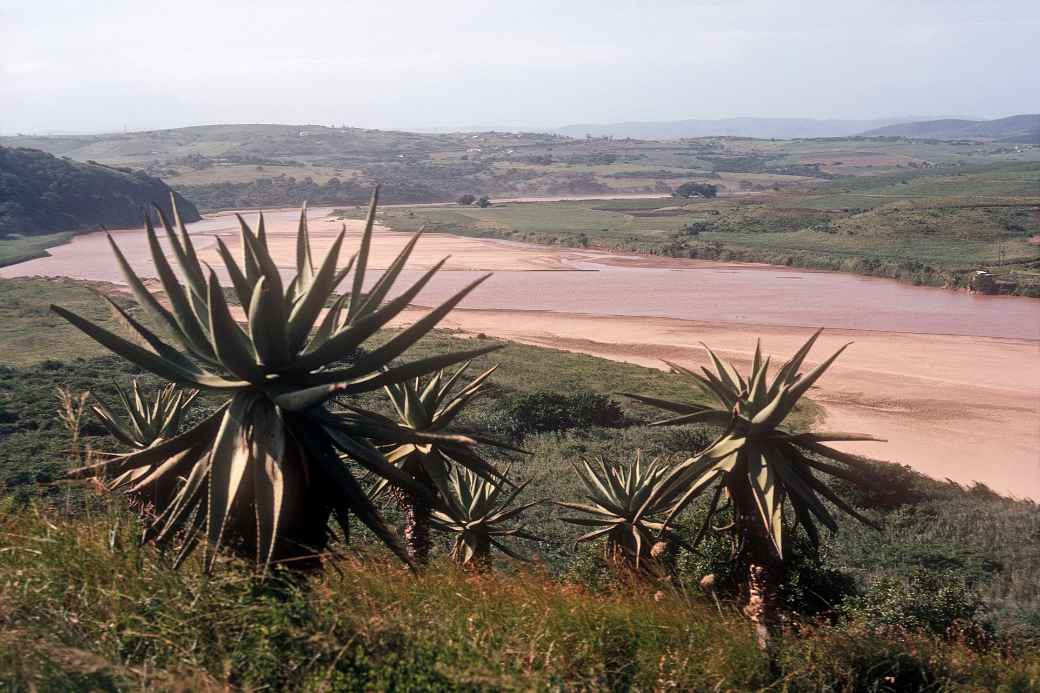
x: 246, y: 476
x: 147, y: 421
x: 625, y: 504
x: 431, y: 406
x: 759, y: 464
x: 476, y: 512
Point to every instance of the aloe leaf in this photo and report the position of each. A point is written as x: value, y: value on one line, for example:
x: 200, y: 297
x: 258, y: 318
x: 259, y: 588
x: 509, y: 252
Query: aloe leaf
x: 146, y: 359
x: 677, y: 407
x: 267, y: 325
x: 268, y: 452
x: 248, y: 243
x: 264, y: 262
x: 327, y: 325
x: 348, y: 493
x: 230, y: 343
x: 160, y: 347
x: 406, y: 339
x: 243, y: 287
x: 186, y: 257
x: 382, y: 287
x: 230, y: 458
x: 183, y: 313
x: 401, y: 373
x: 798, y: 488
x: 307, y: 309
x: 800, y: 387
x: 362, y: 259
x: 354, y: 334
x: 304, y: 263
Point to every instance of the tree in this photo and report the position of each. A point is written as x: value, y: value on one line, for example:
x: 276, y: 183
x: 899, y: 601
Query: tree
x: 264, y: 473
x: 692, y: 189
x: 758, y: 468
x: 483, y: 202
x: 466, y: 200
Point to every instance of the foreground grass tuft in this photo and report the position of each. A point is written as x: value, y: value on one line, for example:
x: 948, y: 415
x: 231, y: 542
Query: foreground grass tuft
x: 82, y: 607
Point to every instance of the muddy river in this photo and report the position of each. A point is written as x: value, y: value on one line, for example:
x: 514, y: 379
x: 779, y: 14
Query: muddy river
x: 952, y: 380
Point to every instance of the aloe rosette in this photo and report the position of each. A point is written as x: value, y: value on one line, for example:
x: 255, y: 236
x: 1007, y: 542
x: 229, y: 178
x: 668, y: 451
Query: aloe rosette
x: 264, y: 473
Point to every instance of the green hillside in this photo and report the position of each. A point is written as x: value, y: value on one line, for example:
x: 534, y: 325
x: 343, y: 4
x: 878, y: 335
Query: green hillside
x: 248, y: 166
x: 42, y: 194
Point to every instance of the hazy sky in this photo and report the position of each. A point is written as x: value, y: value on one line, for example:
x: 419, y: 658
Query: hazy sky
x: 89, y: 65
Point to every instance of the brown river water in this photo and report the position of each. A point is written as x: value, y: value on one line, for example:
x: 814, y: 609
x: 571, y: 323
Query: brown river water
x: 952, y: 380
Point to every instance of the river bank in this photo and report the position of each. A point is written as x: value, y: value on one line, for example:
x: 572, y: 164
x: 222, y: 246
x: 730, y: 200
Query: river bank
x: 953, y: 381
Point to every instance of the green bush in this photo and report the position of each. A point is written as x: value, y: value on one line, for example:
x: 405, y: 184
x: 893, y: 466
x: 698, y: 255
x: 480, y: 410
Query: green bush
x: 542, y: 411
x: 939, y: 604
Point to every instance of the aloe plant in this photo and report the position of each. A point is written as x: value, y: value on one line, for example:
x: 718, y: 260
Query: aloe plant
x: 625, y: 505
x: 263, y: 473
x: 757, y: 467
x: 431, y: 405
x: 480, y: 516
x: 146, y: 422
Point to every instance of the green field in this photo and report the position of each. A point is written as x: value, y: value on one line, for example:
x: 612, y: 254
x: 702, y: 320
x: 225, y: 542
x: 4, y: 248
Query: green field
x: 15, y: 250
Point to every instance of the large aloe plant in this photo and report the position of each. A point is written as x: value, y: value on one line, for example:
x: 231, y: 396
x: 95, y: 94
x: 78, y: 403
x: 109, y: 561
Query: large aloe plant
x: 146, y: 421
x: 626, y: 506
x: 757, y: 467
x: 480, y: 515
x: 263, y: 474
x: 432, y: 406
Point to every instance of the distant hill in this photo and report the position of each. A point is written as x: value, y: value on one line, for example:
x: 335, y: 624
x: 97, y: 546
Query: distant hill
x: 1020, y: 129
x: 763, y: 128
x: 40, y: 193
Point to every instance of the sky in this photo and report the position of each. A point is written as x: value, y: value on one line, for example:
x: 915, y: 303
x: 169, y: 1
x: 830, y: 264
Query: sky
x: 95, y: 66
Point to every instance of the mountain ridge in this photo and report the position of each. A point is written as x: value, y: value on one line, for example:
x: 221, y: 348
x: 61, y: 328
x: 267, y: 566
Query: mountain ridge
x: 1017, y: 129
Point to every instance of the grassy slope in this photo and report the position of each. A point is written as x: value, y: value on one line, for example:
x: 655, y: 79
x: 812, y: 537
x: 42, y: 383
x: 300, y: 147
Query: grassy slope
x: 202, y: 159
x: 15, y: 250
x: 68, y: 624
x: 84, y: 609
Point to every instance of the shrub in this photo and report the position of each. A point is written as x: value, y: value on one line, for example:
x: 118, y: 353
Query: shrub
x: 881, y: 485
x: 541, y: 411
x: 935, y: 603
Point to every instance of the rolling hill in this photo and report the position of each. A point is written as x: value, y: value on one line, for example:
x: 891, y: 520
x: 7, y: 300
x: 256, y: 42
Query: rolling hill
x: 763, y: 128
x: 42, y: 194
x: 1018, y: 129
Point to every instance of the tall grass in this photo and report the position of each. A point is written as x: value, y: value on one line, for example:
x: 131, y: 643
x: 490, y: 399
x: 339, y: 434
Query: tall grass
x: 83, y: 607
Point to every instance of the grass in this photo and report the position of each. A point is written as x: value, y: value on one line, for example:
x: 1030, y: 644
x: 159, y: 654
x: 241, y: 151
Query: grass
x: 30, y: 333
x: 84, y: 608
x: 15, y: 250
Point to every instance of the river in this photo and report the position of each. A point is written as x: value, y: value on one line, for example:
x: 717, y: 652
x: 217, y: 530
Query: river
x: 952, y: 380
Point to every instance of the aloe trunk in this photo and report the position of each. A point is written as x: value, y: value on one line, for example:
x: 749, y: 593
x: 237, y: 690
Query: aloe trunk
x: 416, y: 527
x: 764, y: 571
x: 479, y: 562
x: 761, y: 608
